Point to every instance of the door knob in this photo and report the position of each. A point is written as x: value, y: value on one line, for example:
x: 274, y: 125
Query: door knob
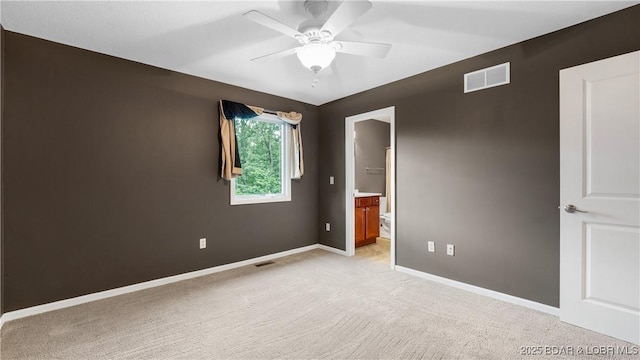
x: 572, y: 208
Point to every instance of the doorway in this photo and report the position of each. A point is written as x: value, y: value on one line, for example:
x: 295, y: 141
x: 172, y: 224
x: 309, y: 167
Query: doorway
x: 385, y: 115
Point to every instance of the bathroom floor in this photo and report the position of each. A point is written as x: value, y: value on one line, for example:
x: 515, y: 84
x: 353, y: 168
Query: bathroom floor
x: 379, y: 251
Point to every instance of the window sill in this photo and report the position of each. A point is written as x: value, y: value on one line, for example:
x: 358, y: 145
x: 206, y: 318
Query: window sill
x: 259, y: 200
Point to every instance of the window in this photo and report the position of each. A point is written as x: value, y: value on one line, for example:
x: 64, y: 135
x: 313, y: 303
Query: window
x: 262, y: 144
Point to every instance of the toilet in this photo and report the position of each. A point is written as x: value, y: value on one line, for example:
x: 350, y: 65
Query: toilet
x: 385, y: 219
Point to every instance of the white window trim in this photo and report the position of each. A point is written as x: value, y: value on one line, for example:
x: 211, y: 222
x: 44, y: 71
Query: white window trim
x: 285, y: 172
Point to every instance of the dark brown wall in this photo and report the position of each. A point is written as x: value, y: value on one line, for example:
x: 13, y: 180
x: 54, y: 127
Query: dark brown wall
x: 478, y: 170
x: 372, y: 139
x: 1, y: 190
x: 111, y: 175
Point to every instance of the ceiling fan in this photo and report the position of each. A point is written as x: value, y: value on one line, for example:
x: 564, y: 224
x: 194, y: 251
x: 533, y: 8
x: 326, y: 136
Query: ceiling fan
x: 316, y: 37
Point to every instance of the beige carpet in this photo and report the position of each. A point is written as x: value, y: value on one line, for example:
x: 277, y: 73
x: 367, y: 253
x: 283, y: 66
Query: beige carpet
x: 311, y: 305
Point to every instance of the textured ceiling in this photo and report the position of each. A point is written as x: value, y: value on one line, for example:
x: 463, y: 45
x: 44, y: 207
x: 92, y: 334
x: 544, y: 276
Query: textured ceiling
x: 211, y: 39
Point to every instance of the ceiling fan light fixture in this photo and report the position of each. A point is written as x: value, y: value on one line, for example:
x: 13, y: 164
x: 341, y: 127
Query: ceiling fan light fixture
x: 316, y: 57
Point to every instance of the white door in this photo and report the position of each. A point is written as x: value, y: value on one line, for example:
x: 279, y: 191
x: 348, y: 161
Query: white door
x: 600, y: 177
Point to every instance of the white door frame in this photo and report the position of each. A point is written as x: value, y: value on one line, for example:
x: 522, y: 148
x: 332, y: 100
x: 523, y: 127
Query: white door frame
x: 387, y: 115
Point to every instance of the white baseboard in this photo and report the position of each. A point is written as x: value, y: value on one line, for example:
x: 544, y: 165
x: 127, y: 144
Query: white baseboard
x: 482, y: 291
x: 17, y: 314
x: 1, y: 321
x: 331, y: 249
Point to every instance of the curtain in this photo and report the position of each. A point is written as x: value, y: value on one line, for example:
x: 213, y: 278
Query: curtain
x: 230, y: 164
x: 388, y: 178
x: 296, y: 162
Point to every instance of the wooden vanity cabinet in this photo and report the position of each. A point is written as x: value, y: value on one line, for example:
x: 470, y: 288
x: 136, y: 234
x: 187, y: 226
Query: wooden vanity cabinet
x: 367, y: 220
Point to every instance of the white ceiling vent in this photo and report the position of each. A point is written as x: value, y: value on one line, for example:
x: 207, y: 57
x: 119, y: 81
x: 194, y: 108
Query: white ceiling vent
x: 486, y: 78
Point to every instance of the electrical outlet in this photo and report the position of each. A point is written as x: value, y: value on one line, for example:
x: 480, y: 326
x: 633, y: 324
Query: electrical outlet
x: 203, y: 243
x: 432, y: 246
x: 450, y: 250
x: 331, y: 180
x: 327, y: 227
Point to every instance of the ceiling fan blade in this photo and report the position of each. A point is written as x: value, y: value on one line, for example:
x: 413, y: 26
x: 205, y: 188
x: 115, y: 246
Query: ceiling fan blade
x: 271, y: 23
x: 279, y: 54
x: 363, y: 48
x: 344, y: 15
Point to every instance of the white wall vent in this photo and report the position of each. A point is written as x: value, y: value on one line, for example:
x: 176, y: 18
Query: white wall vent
x: 486, y: 78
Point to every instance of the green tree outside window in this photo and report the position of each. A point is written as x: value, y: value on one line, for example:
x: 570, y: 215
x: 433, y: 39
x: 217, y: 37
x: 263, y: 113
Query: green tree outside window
x: 259, y: 145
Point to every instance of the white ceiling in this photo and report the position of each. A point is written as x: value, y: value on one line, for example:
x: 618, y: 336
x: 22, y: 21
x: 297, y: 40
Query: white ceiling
x: 211, y: 39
